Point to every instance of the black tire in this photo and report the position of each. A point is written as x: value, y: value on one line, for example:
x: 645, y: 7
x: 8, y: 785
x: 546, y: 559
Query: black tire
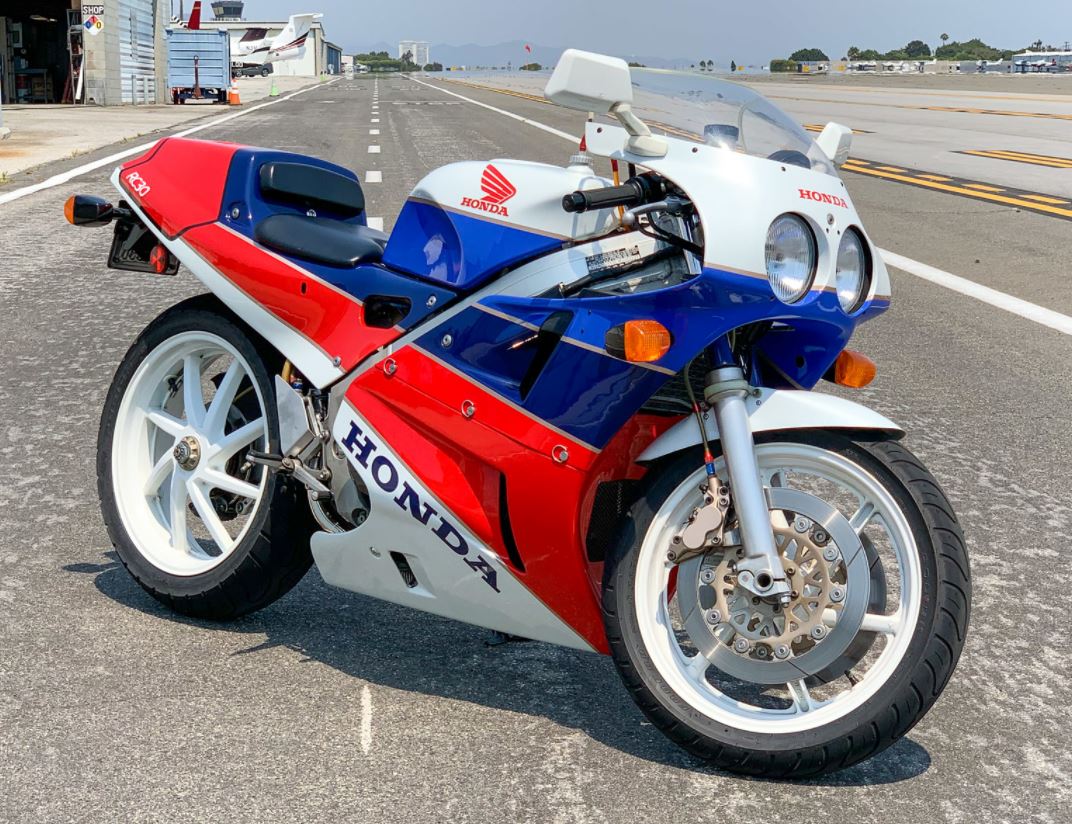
x: 898, y: 704
x: 274, y: 553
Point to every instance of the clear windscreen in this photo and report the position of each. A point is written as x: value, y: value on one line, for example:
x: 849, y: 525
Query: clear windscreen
x: 724, y: 114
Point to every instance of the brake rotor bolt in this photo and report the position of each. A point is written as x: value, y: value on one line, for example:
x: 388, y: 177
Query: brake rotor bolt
x: 820, y: 537
x: 707, y: 576
x: 801, y: 524
x: 741, y: 645
x: 781, y: 651
x: 761, y: 651
x: 671, y: 556
x: 837, y: 595
x: 818, y: 633
x: 714, y: 617
x: 830, y: 553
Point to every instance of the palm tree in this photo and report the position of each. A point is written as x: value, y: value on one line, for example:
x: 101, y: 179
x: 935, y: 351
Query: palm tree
x: 703, y: 65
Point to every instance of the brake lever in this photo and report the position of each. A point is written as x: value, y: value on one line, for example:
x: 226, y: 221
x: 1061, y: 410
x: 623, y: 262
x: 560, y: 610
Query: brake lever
x: 672, y: 205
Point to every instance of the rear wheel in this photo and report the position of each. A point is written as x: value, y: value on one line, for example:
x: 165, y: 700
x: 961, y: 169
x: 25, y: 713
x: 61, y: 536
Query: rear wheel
x: 198, y: 525
x: 879, y: 610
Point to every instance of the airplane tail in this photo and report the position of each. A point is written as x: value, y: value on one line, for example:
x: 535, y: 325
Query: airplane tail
x: 294, y: 35
x: 195, y: 16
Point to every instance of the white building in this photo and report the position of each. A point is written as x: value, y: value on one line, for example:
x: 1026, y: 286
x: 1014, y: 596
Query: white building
x: 419, y: 50
x: 1050, y: 61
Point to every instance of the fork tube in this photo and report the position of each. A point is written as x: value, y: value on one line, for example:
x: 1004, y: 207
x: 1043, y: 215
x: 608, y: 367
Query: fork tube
x: 761, y: 569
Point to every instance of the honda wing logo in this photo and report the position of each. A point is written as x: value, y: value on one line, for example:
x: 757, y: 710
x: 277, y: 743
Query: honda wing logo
x: 497, y: 190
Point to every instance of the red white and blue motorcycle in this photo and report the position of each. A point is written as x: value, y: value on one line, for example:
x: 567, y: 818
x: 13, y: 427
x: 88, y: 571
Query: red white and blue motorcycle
x: 553, y: 404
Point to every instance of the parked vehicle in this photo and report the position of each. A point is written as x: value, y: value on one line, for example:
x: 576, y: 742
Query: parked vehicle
x: 199, y: 63
x: 552, y: 404
x: 262, y: 70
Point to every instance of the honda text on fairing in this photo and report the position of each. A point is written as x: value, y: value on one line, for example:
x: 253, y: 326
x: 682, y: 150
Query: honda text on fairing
x: 553, y: 404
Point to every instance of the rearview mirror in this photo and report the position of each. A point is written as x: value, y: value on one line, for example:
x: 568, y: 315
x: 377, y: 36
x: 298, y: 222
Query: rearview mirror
x: 835, y: 141
x: 589, y: 82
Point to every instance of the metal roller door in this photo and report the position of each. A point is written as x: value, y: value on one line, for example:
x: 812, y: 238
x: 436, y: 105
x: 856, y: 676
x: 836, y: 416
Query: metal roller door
x: 137, y: 52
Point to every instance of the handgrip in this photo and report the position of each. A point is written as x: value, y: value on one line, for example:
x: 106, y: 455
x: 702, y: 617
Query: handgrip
x: 629, y: 193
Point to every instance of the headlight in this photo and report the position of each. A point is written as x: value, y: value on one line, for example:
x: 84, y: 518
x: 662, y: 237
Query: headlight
x: 791, y: 257
x: 853, y: 276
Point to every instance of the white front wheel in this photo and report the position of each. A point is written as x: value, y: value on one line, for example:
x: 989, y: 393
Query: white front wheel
x: 879, y: 607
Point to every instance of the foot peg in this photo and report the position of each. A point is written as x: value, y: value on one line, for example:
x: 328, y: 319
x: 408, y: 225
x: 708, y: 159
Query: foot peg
x: 313, y: 481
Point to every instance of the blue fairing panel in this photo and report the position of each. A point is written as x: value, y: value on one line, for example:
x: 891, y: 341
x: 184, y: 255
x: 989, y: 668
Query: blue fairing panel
x: 242, y: 198
x: 457, y: 250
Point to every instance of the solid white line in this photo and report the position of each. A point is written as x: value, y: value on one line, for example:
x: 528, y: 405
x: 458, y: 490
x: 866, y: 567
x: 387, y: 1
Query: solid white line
x: 1031, y: 311
x: 534, y: 123
x: 374, y: 149
x: 78, y: 171
x: 375, y: 223
x: 374, y: 177
x: 366, y: 719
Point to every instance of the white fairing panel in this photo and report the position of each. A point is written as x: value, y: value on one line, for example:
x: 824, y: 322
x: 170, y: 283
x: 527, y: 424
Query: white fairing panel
x: 738, y: 196
x: 518, y: 193
x: 777, y: 410
x: 456, y: 574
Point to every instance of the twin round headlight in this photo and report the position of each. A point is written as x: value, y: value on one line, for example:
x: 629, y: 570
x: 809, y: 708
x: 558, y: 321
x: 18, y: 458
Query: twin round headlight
x: 792, y: 257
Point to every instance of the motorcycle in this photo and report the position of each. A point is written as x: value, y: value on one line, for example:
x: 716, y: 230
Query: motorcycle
x: 552, y: 404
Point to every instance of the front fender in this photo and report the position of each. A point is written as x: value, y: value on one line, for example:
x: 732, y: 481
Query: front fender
x: 775, y: 410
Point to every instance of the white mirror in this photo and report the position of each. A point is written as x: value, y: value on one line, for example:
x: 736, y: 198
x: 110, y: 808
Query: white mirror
x: 589, y: 82
x: 835, y: 141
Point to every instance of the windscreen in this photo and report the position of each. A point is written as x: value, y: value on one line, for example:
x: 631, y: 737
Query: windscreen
x: 723, y: 114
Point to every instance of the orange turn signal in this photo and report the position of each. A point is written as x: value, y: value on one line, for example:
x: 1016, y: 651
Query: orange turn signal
x: 854, y: 369
x: 68, y: 210
x: 646, y: 341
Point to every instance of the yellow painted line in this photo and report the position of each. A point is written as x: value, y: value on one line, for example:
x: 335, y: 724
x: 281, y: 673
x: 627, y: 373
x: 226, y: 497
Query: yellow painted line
x: 1034, y: 160
x: 955, y: 109
x: 974, y: 193
x: 982, y: 187
x: 1044, y: 199
x: 938, y: 178
x: 889, y: 168
x: 1029, y: 155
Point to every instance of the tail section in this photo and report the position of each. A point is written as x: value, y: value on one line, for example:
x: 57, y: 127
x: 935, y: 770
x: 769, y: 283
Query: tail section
x: 195, y: 16
x: 289, y: 41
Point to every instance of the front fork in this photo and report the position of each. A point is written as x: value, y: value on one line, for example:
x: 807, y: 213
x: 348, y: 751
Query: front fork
x: 760, y: 570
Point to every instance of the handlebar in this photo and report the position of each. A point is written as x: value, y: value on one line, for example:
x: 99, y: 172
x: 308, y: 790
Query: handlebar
x: 633, y: 192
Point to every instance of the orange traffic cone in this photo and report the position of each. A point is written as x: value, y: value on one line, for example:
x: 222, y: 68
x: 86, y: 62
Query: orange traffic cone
x: 232, y: 94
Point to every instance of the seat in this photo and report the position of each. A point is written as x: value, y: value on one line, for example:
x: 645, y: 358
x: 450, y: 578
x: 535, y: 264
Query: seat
x: 311, y: 187
x: 321, y: 240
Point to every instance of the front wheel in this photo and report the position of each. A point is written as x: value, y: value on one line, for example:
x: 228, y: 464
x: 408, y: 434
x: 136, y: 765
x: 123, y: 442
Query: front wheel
x: 199, y: 526
x: 878, y: 616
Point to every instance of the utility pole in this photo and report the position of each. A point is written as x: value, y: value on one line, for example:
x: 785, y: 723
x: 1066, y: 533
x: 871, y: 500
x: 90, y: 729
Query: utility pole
x: 3, y: 132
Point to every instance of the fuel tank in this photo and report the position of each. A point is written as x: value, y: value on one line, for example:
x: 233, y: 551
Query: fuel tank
x: 466, y: 222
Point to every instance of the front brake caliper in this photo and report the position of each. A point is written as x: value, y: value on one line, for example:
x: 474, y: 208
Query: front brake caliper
x: 706, y: 524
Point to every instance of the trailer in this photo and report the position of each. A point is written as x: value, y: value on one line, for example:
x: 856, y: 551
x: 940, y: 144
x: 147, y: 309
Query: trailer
x: 199, y: 64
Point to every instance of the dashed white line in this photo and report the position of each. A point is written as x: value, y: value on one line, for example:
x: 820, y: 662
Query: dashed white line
x: 373, y: 131
x: 375, y: 120
x: 374, y: 149
x: 374, y: 177
x: 375, y: 223
x: 78, y: 171
x: 1031, y: 311
x: 366, y: 719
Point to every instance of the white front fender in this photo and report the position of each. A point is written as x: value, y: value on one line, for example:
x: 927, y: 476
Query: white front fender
x: 778, y: 410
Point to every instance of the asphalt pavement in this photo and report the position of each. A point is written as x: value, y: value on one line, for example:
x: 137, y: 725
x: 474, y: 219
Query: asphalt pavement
x: 329, y: 706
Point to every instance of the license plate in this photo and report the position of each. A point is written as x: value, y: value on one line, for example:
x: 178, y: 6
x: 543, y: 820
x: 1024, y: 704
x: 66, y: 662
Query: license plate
x: 136, y: 249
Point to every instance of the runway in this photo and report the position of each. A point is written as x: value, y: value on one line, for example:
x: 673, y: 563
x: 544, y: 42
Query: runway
x: 330, y: 706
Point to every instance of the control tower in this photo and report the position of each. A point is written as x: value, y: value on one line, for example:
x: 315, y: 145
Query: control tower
x: 227, y: 9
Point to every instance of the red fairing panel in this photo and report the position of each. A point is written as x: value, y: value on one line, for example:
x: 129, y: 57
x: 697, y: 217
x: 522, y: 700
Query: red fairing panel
x: 462, y: 458
x: 179, y: 183
x: 326, y: 316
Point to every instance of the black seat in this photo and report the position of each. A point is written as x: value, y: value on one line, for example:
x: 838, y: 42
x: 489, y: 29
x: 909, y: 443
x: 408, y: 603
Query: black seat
x: 321, y: 240
x: 310, y: 187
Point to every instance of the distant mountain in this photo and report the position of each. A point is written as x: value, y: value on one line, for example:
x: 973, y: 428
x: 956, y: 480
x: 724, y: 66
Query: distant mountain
x: 514, y: 53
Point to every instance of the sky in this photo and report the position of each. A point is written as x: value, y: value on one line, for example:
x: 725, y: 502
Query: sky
x: 752, y: 31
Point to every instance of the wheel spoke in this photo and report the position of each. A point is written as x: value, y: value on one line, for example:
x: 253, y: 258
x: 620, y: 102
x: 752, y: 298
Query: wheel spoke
x: 166, y: 422
x: 243, y: 436
x: 215, y: 479
x: 802, y: 700
x: 216, y: 416
x: 882, y: 624
x: 159, y: 473
x: 178, y: 512
x: 209, y: 518
x: 192, y: 397
x: 862, y: 517
x: 698, y: 665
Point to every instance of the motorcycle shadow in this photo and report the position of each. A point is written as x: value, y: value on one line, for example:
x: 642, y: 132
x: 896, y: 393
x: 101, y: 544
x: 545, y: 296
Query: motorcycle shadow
x: 397, y: 647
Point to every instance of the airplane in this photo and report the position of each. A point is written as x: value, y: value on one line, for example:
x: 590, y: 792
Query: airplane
x: 194, y: 23
x: 256, y: 48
